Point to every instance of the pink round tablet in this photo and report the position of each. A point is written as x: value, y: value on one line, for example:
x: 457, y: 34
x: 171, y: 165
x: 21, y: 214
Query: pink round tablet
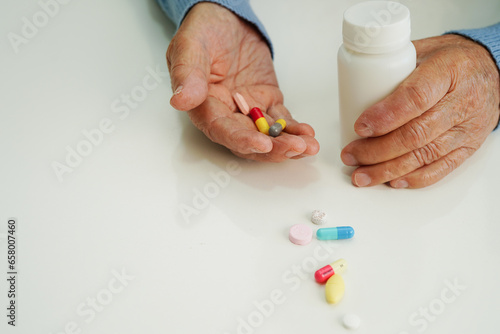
x: 300, y: 234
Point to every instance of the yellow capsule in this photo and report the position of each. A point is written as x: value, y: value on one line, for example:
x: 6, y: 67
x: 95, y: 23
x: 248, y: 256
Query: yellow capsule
x: 276, y: 128
x: 262, y: 125
x: 334, y: 289
x: 282, y: 122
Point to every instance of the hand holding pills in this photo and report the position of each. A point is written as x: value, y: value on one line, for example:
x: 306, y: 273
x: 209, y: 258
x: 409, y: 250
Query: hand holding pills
x: 208, y: 66
x: 258, y: 117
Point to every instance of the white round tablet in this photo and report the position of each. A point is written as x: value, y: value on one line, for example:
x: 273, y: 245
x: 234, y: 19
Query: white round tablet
x: 351, y: 321
x: 318, y: 217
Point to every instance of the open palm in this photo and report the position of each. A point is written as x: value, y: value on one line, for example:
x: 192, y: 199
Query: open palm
x: 215, y: 54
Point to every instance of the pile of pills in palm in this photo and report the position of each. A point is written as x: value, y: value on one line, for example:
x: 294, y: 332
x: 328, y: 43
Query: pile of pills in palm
x: 258, y: 117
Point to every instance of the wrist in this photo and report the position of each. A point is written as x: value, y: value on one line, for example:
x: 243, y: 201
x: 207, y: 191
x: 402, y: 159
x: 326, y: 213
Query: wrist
x: 208, y: 12
x: 487, y: 61
x: 227, y: 12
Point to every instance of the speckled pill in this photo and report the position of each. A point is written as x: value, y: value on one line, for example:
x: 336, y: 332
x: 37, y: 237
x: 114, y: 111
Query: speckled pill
x: 318, y: 217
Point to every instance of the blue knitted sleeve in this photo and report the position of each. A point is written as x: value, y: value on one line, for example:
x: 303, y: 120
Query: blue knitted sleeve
x: 176, y: 10
x: 489, y: 37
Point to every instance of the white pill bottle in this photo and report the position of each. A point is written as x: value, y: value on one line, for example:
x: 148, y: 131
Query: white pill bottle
x: 375, y: 57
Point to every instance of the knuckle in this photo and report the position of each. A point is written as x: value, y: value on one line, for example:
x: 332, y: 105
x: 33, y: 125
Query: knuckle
x: 419, y: 94
x: 176, y: 49
x: 427, y: 154
x: 428, y: 179
x: 450, y: 163
x: 418, y: 156
x: 168, y: 55
x: 170, y: 52
x: 389, y: 174
x: 463, y: 153
x: 200, y: 121
x: 213, y: 131
x: 414, y: 135
x: 210, y: 133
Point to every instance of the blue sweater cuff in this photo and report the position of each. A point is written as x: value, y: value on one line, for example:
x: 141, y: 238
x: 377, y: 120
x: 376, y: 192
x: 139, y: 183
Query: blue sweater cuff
x: 489, y: 37
x: 176, y: 10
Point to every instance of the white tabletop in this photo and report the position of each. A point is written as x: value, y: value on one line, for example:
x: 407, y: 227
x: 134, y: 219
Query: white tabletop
x: 105, y: 247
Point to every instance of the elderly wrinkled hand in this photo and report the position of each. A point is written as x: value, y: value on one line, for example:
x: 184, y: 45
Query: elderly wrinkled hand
x: 216, y: 54
x: 437, y: 118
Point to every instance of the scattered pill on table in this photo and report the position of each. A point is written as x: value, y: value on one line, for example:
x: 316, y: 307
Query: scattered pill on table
x: 351, y: 321
x: 335, y: 268
x: 318, y: 217
x: 335, y: 233
x: 300, y: 234
x: 241, y: 103
x: 277, y: 127
x: 334, y: 290
x: 259, y: 120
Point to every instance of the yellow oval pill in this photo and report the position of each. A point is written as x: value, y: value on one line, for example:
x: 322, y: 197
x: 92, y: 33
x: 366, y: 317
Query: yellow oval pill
x: 334, y: 289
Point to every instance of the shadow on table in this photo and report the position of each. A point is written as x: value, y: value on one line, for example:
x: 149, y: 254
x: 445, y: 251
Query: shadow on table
x: 212, y: 182
x: 195, y: 148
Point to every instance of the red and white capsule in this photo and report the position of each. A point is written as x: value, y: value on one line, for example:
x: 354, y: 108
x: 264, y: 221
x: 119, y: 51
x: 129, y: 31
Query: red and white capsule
x: 337, y: 267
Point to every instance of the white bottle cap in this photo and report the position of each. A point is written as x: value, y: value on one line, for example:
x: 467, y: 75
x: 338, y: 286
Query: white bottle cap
x: 376, y: 27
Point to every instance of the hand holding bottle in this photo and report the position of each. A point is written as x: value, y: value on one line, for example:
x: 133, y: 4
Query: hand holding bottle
x: 437, y: 118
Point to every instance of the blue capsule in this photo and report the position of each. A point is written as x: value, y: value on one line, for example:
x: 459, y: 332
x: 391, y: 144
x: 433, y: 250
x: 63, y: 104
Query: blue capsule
x: 335, y: 233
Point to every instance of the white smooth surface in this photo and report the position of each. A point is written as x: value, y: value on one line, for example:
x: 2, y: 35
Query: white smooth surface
x: 119, y: 209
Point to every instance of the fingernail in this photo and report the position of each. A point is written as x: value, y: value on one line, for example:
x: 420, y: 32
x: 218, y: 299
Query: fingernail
x: 291, y: 154
x: 178, y: 90
x: 349, y: 159
x: 362, y: 179
x: 364, y: 130
x: 401, y: 184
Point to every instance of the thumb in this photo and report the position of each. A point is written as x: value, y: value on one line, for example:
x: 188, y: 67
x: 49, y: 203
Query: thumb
x: 189, y: 67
